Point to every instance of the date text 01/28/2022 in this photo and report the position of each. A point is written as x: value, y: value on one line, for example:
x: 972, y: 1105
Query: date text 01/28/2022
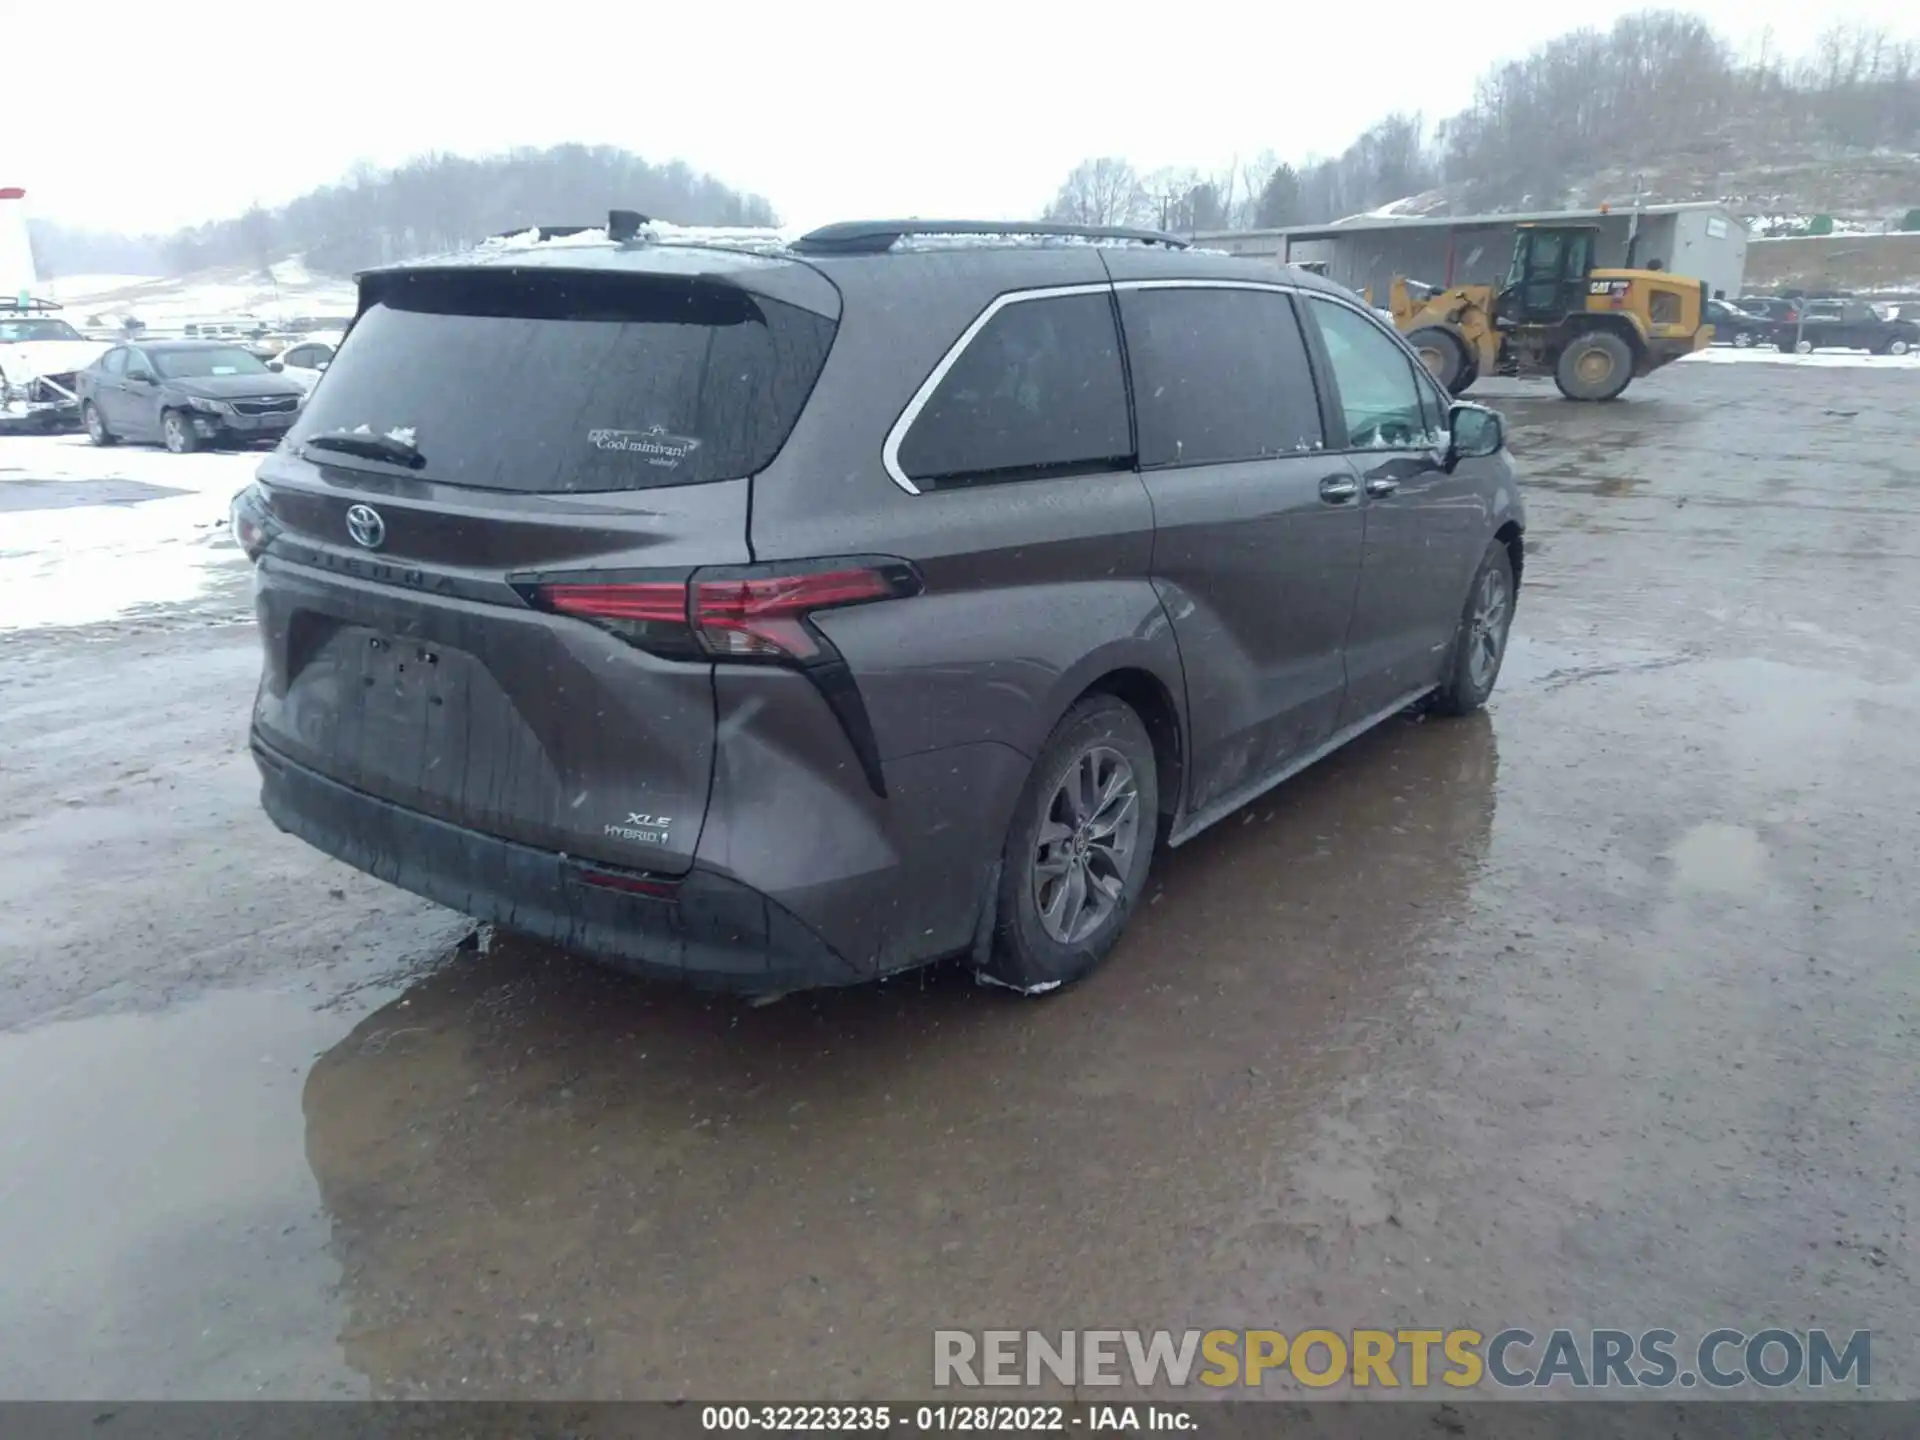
x: 961, y: 1418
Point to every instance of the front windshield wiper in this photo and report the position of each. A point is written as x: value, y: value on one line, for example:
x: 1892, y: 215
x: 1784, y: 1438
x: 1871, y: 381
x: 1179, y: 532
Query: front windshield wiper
x: 368, y: 446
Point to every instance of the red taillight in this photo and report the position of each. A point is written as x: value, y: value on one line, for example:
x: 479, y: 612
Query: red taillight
x: 661, y: 603
x: 757, y: 613
x: 767, y: 617
x: 251, y: 522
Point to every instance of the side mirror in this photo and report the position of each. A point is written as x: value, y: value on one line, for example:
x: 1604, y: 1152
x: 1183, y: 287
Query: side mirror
x: 320, y: 365
x: 275, y: 366
x: 1476, y: 431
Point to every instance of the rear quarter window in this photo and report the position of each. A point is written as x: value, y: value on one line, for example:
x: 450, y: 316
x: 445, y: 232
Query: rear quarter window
x: 1219, y: 375
x: 1037, y: 392
x: 569, y: 382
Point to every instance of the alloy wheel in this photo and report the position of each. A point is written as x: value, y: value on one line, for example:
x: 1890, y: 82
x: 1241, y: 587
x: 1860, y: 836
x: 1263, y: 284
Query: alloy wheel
x: 1487, y: 629
x: 1085, y: 847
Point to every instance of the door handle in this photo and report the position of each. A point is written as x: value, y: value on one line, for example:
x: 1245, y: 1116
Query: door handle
x: 1338, y: 489
x: 1381, y: 486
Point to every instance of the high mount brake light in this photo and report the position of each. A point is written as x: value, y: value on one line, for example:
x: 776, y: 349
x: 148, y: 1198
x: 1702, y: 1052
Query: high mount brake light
x: 749, y: 613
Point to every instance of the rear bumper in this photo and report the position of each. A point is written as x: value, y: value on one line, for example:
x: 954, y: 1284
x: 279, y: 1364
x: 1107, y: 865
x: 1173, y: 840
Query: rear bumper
x: 704, y: 928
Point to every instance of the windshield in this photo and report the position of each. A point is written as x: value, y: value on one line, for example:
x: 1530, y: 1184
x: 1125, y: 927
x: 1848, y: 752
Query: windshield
x: 572, y: 382
x: 12, y: 331
x: 197, y: 364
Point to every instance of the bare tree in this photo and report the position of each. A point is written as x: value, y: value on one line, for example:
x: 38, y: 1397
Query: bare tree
x: 1169, y: 197
x: 1102, y: 191
x: 442, y: 202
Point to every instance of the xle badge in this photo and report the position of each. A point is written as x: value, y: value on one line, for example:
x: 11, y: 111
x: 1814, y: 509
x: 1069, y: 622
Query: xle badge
x: 642, y: 829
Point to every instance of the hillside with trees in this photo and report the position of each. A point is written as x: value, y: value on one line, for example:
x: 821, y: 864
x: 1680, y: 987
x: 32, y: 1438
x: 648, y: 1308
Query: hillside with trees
x: 431, y: 204
x: 1659, y: 103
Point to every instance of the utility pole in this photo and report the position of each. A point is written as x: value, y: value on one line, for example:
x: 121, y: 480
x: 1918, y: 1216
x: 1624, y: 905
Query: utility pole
x: 1633, y: 226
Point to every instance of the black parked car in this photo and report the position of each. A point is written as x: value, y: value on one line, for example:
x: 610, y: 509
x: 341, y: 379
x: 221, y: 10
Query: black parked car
x: 1739, y: 328
x: 1848, y: 325
x: 795, y: 616
x: 186, y: 394
x: 1770, y: 307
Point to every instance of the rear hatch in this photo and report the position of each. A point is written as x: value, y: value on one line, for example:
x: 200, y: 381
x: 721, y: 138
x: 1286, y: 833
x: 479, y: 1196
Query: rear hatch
x: 488, y: 445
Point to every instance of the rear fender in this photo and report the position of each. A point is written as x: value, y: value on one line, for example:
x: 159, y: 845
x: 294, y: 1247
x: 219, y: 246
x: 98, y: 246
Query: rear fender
x: 1155, y: 655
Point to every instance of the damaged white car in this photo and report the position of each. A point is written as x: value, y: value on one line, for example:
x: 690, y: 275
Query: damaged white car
x: 40, y: 356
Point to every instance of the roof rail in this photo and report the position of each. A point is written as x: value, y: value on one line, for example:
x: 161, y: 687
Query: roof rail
x: 873, y: 237
x: 26, y: 305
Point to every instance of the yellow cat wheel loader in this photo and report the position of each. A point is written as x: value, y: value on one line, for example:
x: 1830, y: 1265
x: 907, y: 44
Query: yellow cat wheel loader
x: 1593, y: 330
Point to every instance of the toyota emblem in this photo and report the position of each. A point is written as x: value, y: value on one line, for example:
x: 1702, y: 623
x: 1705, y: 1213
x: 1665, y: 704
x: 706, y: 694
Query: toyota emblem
x: 365, y: 526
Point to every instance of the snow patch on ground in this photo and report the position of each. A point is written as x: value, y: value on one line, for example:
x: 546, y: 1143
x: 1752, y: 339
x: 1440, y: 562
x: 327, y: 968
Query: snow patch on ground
x: 84, y: 563
x: 1826, y: 359
x: 230, y: 294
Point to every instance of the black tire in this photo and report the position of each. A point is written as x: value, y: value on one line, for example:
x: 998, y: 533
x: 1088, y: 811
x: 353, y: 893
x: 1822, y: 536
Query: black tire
x: 1472, y: 671
x: 1444, y: 355
x: 96, y: 425
x: 1027, y: 953
x: 176, y: 433
x: 1467, y: 380
x: 1743, y: 339
x: 1578, y: 371
x: 1898, y: 345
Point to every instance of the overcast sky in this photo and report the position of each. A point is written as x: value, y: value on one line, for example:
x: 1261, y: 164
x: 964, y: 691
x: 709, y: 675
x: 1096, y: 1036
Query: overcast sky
x: 832, y: 110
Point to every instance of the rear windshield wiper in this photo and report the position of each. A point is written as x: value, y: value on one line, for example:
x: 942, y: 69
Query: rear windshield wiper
x: 369, y: 446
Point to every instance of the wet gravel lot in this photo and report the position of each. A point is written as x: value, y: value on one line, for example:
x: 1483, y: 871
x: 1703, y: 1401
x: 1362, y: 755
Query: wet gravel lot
x: 1599, y: 1009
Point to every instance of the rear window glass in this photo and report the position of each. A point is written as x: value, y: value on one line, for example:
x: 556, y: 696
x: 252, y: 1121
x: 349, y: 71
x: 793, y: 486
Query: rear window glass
x: 1037, y: 392
x: 1219, y: 375
x: 215, y: 360
x: 570, y: 382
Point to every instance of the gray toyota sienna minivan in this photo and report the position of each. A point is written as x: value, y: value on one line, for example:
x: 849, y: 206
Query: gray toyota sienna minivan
x: 779, y: 615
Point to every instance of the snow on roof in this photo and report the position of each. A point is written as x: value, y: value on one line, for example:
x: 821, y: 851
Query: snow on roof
x: 776, y: 241
x: 1002, y: 240
x: 743, y: 237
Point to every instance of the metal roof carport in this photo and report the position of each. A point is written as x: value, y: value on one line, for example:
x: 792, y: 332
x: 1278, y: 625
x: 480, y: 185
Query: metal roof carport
x: 1699, y: 239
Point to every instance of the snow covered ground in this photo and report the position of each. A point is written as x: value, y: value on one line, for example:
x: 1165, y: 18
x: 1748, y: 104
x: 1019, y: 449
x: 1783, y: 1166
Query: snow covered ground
x: 166, y: 304
x: 1769, y: 355
x: 88, y: 534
